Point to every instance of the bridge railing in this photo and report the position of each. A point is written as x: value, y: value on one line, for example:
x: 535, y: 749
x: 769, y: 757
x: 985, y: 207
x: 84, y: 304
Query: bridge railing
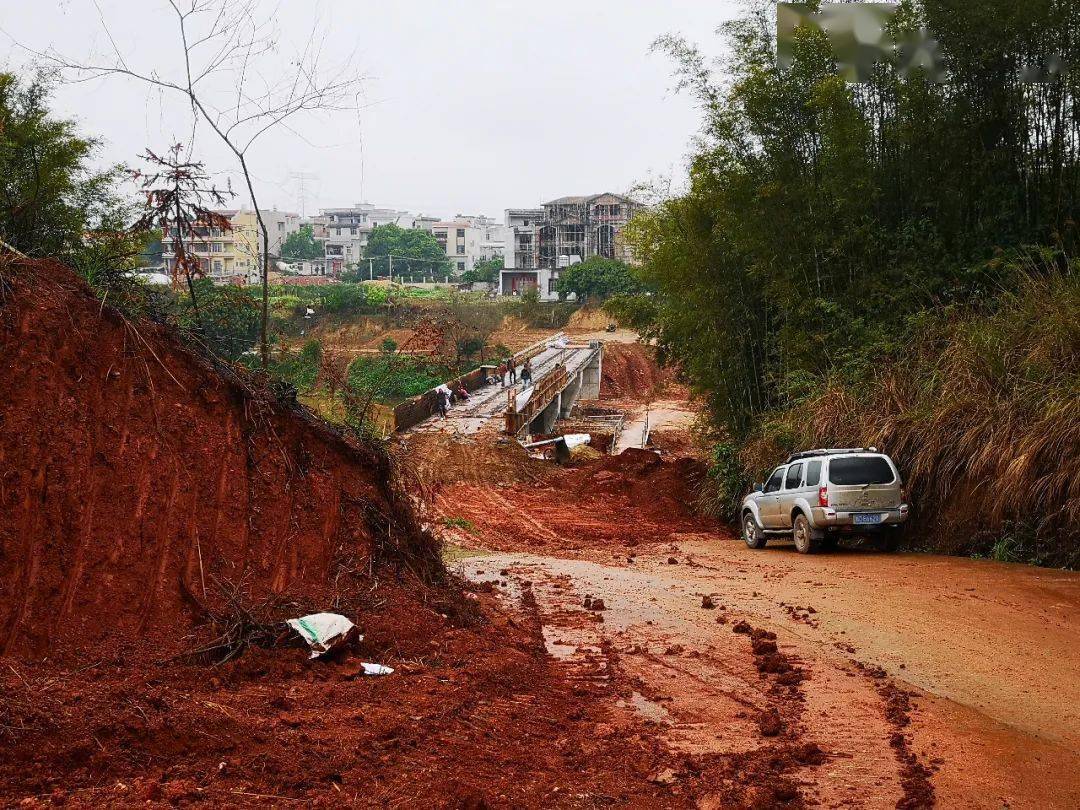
x: 544, y: 391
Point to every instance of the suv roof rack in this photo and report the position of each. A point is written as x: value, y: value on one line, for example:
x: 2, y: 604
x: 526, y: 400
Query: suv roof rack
x: 828, y: 451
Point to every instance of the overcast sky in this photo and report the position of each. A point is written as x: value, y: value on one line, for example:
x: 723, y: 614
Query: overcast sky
x: 467, y: 107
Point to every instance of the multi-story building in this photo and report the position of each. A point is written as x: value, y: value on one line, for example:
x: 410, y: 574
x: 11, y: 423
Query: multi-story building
x: 560, y: 233
x: 226, y: 255
x: 468, y: 239
x: 279, y: 225
x: 345, y: 231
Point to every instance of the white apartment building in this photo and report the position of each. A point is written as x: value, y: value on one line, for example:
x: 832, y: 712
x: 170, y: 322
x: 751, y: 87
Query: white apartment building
x: 467, y: 239
x: 345, y: 231
x: 279, y: 225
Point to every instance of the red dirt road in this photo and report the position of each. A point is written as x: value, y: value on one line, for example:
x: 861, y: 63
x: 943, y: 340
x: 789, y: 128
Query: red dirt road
x: 994, y: 712
x: 922, y: 679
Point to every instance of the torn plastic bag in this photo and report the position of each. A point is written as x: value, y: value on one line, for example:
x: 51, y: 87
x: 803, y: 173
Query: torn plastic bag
x: 323, y: 631
x: 377, y: 669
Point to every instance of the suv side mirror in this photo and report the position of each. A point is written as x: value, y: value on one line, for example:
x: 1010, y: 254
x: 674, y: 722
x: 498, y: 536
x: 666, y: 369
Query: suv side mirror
x: 759, y: 487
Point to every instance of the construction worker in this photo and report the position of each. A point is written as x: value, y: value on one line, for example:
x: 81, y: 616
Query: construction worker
x: 500, y: 373
x: 526, y: 374
x: 511, y: 369
x: 442, y: 399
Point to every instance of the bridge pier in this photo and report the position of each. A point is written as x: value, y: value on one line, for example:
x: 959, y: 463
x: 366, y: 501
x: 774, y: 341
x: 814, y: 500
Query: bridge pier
x: 570, y: 395
x: 544, y: 422
x: 590, y: 375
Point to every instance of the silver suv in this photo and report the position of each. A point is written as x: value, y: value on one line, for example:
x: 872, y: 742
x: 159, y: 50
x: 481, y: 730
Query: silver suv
x: 818, y: 495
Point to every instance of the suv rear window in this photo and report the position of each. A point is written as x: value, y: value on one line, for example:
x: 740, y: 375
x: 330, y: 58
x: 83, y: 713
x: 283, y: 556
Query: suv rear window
x: 856, y: 470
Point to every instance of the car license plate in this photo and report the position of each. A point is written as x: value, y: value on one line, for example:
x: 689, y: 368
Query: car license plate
x: 874, y: 517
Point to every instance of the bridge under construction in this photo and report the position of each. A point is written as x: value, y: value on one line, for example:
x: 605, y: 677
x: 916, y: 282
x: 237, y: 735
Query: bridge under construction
x: 562, y: 373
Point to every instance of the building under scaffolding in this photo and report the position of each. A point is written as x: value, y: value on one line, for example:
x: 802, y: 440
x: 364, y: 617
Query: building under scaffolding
x: 561, y: 233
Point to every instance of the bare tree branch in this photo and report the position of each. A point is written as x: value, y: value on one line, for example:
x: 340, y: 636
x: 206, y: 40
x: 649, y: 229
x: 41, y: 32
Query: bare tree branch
x: 231, y: 43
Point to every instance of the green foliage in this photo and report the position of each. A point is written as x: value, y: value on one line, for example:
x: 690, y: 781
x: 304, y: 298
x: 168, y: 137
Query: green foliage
x: 301, y: 370
x: 886, y: 263
x: 727, y: 481
x: 821, y: 216
x: 389, y: 378
x: 597, y: 277
x: 486, y: 272
x: 388, y: 345
x: 229, y: 319
x: 51, y: 202
x: 459, y: 523
x: 405, y: 244
x: 301, y: 245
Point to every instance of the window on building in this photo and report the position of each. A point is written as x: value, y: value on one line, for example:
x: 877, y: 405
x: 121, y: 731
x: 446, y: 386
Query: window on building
x: 526, y: 223
x: 553, y: 284
x: 461, y: 267
x: 217, y: 265
x: 461, y: 250
x: 461, y: 232
x: 216, y: 247
x: 281, y: 226
x: 352, y: 231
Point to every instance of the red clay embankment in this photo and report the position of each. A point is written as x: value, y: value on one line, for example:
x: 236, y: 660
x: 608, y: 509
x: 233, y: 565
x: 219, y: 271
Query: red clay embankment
x: 132, y: 471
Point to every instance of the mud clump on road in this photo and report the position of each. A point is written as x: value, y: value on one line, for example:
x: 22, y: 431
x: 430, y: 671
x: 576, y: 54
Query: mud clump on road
x: 914, y: 775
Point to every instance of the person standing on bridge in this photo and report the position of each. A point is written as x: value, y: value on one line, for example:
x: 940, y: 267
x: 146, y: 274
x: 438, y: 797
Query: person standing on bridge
x: 526, y: 375
x: 512, y: 370
x: 500, y: 373
x: 442, y: 399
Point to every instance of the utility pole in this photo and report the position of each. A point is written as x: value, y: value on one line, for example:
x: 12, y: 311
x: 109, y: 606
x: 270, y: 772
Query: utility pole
x: 301, y: 178
x: 370, y: 270
x: 391, y: 269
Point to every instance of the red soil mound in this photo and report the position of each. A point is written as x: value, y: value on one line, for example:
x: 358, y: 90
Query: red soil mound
x: 657, y: 487
x: 134, y: 473
x: 630, y: 373
x: 615, y: 503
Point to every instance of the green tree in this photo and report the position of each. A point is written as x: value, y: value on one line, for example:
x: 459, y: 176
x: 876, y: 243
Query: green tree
x: 302, y: 245
x: 597, y: 277
x: 821, y: 217
x: 52, y: 203
x: 484, y: 272
x: 415, y: 253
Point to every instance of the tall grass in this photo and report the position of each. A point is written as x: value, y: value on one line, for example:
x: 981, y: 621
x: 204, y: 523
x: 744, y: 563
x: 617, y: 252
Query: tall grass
x: 981, y: 413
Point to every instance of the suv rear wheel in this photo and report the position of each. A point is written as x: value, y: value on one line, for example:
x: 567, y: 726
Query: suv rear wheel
x: 805, y: 542
x: 754, y: 537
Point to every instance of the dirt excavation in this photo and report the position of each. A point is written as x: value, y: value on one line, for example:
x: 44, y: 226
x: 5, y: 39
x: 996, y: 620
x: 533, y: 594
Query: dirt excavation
x: 572, y: 635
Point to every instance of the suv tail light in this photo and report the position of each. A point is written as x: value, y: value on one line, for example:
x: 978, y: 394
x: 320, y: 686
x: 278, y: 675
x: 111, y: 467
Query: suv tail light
x: 823, y: 496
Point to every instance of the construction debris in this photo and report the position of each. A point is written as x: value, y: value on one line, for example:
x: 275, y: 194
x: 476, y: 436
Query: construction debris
x: 325, y: 632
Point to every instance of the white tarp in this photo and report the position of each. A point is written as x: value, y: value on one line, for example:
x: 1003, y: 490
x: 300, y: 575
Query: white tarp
x: 573, y: 440
x: 322, y: 631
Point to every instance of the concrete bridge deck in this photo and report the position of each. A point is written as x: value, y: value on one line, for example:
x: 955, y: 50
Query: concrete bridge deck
x: 489, y: 403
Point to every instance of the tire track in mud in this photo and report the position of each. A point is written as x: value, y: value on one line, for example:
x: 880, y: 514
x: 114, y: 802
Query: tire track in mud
x: 755, y: 773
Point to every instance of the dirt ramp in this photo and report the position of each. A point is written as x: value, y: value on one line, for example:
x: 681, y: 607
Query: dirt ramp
x: 630, y: 373
x: 134, y: 473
